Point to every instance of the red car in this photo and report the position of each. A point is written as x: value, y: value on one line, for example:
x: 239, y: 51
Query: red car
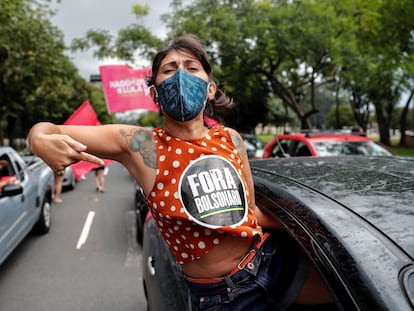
x: 323, y: 144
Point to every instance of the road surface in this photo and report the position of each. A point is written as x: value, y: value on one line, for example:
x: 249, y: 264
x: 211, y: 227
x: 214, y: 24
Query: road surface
x: 88, y: 261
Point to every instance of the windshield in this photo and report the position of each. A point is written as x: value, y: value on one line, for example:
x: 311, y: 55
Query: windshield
x: 332, y: 148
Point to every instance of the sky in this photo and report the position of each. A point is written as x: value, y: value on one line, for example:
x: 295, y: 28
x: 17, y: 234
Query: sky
x: 75, y: 17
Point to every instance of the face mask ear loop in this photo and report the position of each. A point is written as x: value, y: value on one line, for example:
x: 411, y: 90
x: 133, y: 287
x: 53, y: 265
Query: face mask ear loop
x: 156, y: 101
x: 207, y: 100
x: 207, y: 103
x: 155, y: 96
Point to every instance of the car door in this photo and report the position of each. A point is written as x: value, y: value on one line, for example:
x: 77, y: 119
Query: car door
x: 11, y: 216
x: 162, y: 279
x: 29, y: 206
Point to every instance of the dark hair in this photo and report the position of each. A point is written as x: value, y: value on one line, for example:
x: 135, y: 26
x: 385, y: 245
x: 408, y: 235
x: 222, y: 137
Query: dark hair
x: 191, y: 44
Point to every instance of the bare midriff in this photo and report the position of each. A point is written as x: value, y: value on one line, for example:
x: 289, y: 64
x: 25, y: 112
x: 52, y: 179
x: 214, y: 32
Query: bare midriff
x: 220, y: 260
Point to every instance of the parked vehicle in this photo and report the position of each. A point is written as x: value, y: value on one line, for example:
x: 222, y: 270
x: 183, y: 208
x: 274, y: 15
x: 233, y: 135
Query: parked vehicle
x: 69, y: 180
x: 323, y: 144
x: 141, y: 210
x: 351, y: 216
x: 26, y: 205
x: 254, y: 145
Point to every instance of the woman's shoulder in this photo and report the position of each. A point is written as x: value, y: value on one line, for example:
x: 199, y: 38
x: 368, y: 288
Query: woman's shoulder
x: 235, y: 138
x: 234, y: 135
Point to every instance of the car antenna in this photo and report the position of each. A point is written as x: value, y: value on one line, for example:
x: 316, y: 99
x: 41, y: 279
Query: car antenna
x: 284, y: 153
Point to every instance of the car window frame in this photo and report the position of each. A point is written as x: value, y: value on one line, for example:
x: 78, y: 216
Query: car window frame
x: 277, y: 147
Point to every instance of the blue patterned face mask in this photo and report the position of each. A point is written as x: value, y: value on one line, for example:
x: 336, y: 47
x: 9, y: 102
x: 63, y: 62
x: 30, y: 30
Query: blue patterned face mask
x: 182, y: 96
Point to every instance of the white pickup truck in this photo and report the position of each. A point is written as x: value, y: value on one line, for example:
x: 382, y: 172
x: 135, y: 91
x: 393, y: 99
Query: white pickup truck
x: 25, y: 205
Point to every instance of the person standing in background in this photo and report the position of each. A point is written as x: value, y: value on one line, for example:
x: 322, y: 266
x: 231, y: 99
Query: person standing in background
x: 59, y: 176
x: 100, y: 178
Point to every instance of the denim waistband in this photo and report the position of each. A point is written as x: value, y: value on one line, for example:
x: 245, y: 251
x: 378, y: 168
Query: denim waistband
x: 249, y: 262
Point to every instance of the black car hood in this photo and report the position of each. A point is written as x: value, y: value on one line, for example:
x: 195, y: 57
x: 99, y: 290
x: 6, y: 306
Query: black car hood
x: 379, y: 189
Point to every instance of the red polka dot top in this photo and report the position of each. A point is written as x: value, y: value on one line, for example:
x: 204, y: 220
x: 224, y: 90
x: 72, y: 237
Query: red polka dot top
x: 200, y: 193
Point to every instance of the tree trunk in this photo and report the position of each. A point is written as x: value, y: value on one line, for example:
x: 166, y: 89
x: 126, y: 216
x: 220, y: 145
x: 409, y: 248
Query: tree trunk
x: 403, y: 120
x: 305, y: 123
x: 337, y: 125
x: 384, y: 130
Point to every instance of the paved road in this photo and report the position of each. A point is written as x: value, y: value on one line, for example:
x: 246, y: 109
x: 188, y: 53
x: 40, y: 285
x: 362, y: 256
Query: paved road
x: 73, y: 268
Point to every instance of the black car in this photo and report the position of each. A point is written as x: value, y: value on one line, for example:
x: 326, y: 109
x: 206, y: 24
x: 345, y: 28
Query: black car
x: 141, y: 210
x: 353, y: 217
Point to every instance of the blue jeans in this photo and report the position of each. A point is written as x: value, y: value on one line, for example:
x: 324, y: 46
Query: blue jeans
x: 258, y: 286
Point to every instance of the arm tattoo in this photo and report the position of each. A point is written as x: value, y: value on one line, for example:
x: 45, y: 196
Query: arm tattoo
x: 237, y: 141
x: 140, y: 140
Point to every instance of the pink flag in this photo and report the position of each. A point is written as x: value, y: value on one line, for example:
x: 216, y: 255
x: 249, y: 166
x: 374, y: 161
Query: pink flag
x: 125, y: 88
x: 84, y: 115
x: 82, y: 168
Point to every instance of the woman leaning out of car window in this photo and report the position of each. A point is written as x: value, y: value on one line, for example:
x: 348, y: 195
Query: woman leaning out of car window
x: 198, y: 186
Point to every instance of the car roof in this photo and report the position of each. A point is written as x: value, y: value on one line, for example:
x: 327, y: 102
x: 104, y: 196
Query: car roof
x: 5, y: 149
x: 326, y: 136
x: 247, y: 134
x: 377, y: 189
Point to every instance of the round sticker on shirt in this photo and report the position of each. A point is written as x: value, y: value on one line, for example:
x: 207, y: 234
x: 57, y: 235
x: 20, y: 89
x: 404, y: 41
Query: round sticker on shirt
x: 212, y: 192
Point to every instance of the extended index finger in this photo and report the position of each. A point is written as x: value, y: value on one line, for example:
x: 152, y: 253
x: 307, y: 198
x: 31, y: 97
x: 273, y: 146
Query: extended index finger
x: 91, y: 158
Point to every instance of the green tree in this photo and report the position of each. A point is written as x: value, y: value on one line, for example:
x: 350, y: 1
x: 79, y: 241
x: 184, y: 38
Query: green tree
x: 289, y: 49
x: 376, y: 58
x: 339, y: 117
x: 277, y: 47
x: 253, y: 52
x: 279, y: 114
x: 38, y: 82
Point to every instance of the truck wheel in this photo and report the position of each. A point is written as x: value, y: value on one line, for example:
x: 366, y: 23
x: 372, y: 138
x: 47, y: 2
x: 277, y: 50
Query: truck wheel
x: 43, y: 224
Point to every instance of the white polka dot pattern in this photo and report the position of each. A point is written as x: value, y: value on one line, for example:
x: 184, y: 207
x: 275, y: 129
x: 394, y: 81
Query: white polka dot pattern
x: 187, y: 240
